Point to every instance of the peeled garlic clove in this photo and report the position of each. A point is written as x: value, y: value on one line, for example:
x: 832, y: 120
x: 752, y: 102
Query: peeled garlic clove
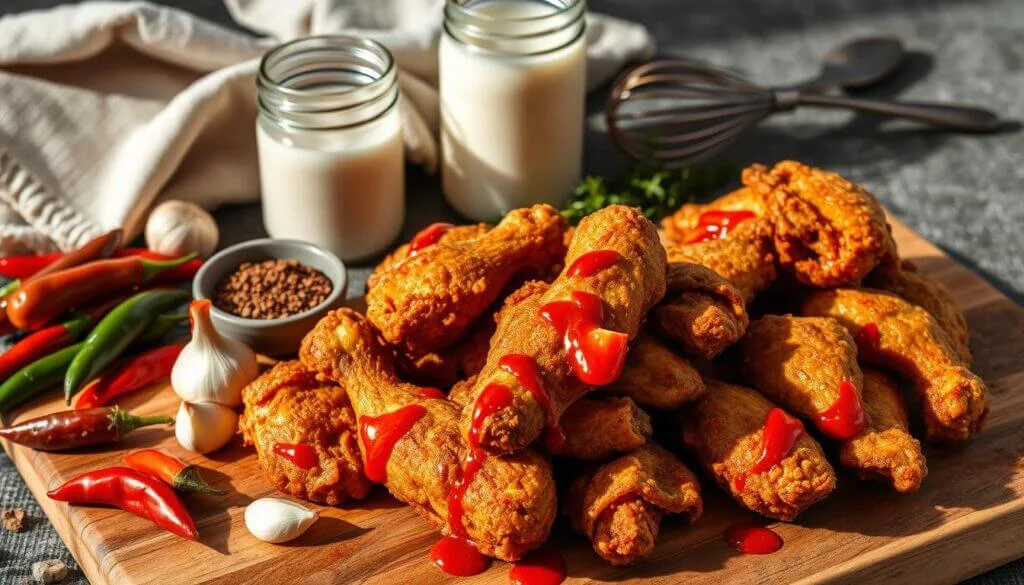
x: 177, y: 228
x: 211, y: 367
x: 277, y: 520
x: 204, y: 426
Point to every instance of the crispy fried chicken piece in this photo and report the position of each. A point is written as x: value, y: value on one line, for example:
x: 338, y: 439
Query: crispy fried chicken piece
x: 448, y: 366
x: 509, y: 504
x: 894, y: 334
x: 828, y: 231
x: 627, y: 288
x: 807, y: 365
x: 702, y: 312
x: 596, y: 429
x: 426, y: 302
x: 619, y: 506
x: 458, y: 233
x: 680, y: 226
x: 724, y: 431
x: 929, y: 294
x: 745, y: 258
x: 656, y: 376
x: 885, y: 449
x: 287, y: 404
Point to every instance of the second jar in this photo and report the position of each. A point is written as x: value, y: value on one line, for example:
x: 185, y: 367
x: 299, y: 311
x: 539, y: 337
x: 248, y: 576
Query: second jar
x: 513, y: 86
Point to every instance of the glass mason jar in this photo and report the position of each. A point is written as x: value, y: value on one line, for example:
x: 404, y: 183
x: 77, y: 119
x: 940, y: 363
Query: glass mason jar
x: 513, y: 86
x: 330, y: 144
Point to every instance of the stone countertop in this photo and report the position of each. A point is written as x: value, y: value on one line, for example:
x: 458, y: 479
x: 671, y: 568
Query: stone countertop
x: 962, y: 192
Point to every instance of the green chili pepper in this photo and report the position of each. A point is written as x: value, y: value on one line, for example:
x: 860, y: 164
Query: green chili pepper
x: 28, y: 382
x: 116, y: 332
x: 9, y: 288
x: 160, y: 327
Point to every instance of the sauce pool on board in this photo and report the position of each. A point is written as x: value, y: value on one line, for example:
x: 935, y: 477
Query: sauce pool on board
x: 458, y: 558
x: 541, y: 567
x: 752, y: 539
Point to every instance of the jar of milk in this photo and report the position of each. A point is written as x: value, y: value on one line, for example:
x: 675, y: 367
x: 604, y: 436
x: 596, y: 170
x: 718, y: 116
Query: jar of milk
x: 330, y: 144
x: 513, y: 85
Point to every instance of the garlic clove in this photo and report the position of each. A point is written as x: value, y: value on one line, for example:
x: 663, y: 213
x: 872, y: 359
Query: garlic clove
x: 205, y: 426
x: 211, y: 367
x: 278, y: 520
x: 177, y: 228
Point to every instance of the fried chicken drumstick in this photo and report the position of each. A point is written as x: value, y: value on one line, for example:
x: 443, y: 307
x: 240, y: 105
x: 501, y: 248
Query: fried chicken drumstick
x: 425, y: 302
x: 411, y: 442
x: 894, y: 334
x: 656, y: 376
x: 288, y: 405
x: 551, y: 348
x: 756, y: 452
x: 619, y: 506
x: 702, y: 312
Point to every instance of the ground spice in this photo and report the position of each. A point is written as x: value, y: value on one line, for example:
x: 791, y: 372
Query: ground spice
x: 13, y: 519
x: 272, y: 289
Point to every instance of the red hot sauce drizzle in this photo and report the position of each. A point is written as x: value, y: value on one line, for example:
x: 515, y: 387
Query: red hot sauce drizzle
x: 845, y: 418
x: 427, y: 392
x: 752, y: 539
x: 778, y: 436
x: 428, y: 236
x: 301, y: 455
x: 868, y: 337
x: 593, y: 262
x: 596, y: 355
x: 715, y: 224
x: 524, y: 368
x: 379, y: 435
x: 540, y: 567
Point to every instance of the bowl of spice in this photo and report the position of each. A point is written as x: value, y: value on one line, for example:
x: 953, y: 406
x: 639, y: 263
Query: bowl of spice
x: 269, y: 293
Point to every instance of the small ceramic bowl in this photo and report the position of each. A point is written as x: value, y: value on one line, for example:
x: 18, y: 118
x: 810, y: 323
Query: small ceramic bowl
x: 273, y: 337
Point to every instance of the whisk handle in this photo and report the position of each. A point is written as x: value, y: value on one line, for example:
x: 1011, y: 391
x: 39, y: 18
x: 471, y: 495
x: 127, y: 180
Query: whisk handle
x: 964, y: 118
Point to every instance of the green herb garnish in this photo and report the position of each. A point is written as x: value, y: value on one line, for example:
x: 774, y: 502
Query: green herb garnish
x: 657, y: 192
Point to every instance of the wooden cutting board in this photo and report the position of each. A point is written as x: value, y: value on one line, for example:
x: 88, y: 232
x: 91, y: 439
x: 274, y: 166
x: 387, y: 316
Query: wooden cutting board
x: 968, y: 517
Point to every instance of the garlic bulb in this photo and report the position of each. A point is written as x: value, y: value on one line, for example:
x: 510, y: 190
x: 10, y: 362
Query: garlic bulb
x: 177, y: 228
x: 204, y: 426
x: 212, y: 368
x: 277, y: 520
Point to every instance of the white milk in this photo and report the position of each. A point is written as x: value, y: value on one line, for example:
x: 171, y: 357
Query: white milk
x: 330, y: 146
x: 512, y: 122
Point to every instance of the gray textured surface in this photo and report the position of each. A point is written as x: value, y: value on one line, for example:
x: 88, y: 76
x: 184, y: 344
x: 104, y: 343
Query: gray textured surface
x: 961, y: 192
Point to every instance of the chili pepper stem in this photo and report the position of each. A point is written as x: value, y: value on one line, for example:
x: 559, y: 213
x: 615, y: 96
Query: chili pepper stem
x: 126, y: 422
x: 9, y: 287
x: 151, y: 268
x: 189, y: 480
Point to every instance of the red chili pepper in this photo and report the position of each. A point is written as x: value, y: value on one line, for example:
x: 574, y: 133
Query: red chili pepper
x: 15, y: 267
x: 186, y: 271
x: 132, y: 491
x: 95, y: 249
x: 78, y: 428
x: 133, y: 374
x: 184, y: 478
x: 53, y: 338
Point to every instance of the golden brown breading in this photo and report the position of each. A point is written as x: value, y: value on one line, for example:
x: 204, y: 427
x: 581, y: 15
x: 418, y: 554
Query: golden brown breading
x: 619, y: 506
x: 800, y: 363
x: 627, y: 289
x: 596, y: 429
x: 885, y: 449
x: 745, y: 258
x: 724, y: 431
x: 459, y: 233
x: 929, y: 294
x: 509, y: 504
x: 656, y: 376
x: 910, y: 342
x: 446, y: 367
x: 426, y: 302
x: 287, y: 404
x: 702, y: 312
x: 828, y: 231
x: 679, y: 227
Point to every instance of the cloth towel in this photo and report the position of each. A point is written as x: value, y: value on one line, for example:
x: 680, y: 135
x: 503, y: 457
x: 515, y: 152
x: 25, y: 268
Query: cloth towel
x: 108, y: 107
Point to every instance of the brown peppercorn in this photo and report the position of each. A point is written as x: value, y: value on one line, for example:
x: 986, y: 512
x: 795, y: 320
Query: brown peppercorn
x: 272, y: 289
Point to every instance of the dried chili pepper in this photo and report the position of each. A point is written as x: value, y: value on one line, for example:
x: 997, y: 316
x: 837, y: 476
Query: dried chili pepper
x: 186, y: 271
x: 15, y: 267
x: 33, y: 379
x: 37, y: 303
x: 132, y: 491
x: 182, y: 477
x: 95, y: 249
x: 115, y: 333
x: 72, y: 429
x: 134, y: 374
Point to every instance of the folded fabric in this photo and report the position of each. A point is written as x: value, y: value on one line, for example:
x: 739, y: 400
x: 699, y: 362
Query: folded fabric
x: 106, y: 107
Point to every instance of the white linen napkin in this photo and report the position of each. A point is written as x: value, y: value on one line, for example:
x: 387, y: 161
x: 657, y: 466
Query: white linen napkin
x: 106, y: 107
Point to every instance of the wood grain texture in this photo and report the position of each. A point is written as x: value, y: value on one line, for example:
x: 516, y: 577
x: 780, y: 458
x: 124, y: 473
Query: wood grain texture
x: 968, y: 517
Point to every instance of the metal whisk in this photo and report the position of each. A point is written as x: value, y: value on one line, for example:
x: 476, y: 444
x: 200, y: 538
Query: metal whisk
x: 674, y: 112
